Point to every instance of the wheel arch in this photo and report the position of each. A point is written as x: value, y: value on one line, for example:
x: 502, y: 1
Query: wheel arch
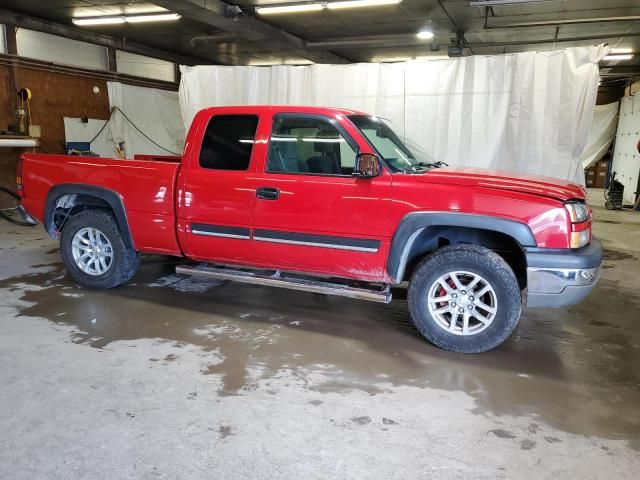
x: 420, y: 233
x: 65, y: 197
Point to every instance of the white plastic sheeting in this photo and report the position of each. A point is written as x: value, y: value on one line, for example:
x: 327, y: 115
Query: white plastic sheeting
x: 601, y: 133
x: 527, y: 112
x: 626, y: 159
x: 155, y: 112
x: 75, y: 130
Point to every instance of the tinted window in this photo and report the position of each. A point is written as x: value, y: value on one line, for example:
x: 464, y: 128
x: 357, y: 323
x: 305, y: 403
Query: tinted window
x: 228, y: 142
x: 309, y: 145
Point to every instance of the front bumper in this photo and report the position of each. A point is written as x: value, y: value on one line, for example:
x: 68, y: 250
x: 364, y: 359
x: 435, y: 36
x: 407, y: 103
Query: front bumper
x: 556, y: 278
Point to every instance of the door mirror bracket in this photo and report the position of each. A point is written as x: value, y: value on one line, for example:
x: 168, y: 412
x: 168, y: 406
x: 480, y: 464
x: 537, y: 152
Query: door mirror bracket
x: 367, y: 166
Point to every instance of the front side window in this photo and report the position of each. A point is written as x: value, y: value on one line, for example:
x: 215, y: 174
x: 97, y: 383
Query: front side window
x: 228, y: 142
x: 309, y: 145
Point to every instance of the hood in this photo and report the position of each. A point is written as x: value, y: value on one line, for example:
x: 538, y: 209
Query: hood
x: 504, y: 180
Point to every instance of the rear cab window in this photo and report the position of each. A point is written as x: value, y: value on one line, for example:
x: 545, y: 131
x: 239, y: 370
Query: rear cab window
x: 228, y: 142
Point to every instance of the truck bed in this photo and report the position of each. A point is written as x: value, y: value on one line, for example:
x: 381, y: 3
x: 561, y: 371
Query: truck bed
x: 146, y: 186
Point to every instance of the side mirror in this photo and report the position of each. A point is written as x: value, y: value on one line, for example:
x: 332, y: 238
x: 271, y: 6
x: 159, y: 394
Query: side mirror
x: 367, y: 166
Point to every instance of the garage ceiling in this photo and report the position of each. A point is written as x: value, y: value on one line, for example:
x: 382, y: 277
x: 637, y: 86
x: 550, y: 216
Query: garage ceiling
x: 213, y: 31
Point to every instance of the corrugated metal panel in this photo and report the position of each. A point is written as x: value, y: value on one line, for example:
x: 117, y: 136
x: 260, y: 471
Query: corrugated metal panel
x: 141, y: 66
x: 56, y: 49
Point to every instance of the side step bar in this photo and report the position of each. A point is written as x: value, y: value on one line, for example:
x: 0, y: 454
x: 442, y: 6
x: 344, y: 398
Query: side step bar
x: 280, y: 279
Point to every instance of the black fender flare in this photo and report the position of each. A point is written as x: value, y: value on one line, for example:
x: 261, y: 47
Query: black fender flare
x: 413, y: 224
x: 110, y: 197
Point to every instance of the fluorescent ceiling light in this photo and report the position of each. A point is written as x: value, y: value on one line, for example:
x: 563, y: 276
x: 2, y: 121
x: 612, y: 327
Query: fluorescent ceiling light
x: 390, y: 59
x: 620, y: 50
x: 114, y: 20
x: 383, y: 59
x: 618, y: 57
x: 303, y: 7
x: 425, y: 34
x: 493, y: 3
x: 360, y: 3
x: 160, y: 17
x: 316, y: 7
x: 98, y: 21
x: 433, y: 57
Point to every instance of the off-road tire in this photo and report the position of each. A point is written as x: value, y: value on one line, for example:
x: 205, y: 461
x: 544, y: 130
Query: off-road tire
x: 478, y: 260
x: 125, y: 259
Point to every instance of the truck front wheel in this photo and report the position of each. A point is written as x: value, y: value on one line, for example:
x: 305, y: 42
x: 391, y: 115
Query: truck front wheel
x: 465, y: 298
x: 94, y: 251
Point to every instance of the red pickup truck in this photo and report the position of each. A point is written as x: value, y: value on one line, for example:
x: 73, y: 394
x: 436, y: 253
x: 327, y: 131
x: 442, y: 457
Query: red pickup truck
x: 325, y: 200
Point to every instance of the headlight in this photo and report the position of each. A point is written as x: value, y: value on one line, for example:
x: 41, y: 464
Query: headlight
x: 580, y: 229
x: 578, y: 212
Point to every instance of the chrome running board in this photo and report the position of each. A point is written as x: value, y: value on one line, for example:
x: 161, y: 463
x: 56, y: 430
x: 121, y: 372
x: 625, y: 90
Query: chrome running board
x: 279, y: 279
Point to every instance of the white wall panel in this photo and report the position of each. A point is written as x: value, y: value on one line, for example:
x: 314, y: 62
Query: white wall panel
x: 51, y: 48
x: 626, y: 159
x: 141, y: 66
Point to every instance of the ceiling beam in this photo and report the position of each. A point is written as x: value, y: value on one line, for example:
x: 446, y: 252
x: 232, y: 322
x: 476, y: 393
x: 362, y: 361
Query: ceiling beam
x: 613, y: 71
x: 33, y: 64
x: 88, y: 36
x: 230, y: 19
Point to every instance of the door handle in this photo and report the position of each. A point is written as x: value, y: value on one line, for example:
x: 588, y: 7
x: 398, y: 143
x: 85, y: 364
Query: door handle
x: 267, y: 193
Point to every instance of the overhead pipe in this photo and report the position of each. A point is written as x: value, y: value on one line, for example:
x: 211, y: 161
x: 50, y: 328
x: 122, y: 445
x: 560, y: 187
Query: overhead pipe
x: 574, y: 21
x: 553, y: 40
x: 411, y: 40
x: 369, y: 41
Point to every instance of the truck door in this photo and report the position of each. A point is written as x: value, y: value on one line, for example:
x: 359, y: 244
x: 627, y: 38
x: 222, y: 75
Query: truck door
x: 310, y: 213
x: 218, y: 192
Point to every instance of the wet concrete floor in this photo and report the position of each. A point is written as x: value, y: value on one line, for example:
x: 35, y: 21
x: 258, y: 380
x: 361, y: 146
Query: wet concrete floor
x: 567, y: 376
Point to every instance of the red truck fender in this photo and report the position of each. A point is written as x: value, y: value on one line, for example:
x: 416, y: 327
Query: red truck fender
x: 417, y: 229
x: 85, y: 195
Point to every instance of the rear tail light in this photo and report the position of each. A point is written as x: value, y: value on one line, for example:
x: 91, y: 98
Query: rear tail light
x: 580, y: 216
x: 19, y: 178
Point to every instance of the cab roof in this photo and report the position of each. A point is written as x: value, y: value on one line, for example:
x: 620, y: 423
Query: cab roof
x: 258, y: 109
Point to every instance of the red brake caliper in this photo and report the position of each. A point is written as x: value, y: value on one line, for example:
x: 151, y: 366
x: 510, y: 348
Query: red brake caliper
x: 441, y: 293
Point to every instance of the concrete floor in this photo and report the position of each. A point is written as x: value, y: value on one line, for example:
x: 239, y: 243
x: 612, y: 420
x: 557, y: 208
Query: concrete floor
x: 175, y: 378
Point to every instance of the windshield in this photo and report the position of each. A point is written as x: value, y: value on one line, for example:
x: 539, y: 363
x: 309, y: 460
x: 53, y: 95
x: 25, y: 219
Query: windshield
x: 389, y: 146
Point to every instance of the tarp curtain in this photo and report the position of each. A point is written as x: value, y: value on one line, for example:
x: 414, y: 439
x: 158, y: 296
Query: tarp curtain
x: 155, y: 112
x: 527, y: 112
x: 77, y: 130
x: 601, y: 133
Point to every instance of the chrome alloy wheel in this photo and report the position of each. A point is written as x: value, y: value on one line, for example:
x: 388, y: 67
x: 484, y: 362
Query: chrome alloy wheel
x: 462, y: 303
x: 92, y: 251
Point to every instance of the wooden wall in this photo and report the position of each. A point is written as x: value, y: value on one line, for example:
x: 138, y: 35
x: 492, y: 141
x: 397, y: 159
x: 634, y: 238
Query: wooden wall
x: 55, y: 95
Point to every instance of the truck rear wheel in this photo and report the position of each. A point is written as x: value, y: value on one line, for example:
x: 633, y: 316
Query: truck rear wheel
x: 465, y: 298
x: 94, y: 251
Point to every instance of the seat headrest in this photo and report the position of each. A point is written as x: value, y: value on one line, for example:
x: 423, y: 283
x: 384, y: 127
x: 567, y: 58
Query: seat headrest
x: 328, y: 145
x: 323, y: 147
